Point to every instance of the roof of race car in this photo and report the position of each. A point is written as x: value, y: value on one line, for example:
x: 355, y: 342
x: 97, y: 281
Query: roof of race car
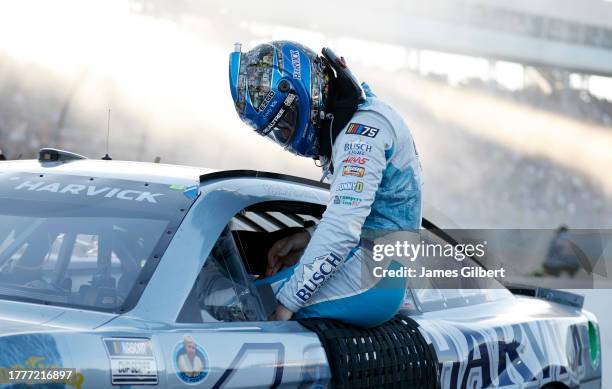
x: 149, y: 172
x: 127, y: 170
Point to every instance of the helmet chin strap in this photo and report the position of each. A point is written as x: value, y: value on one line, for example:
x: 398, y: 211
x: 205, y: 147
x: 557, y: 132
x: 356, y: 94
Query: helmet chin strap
x: 326, y: 162
x: 325, y: 165
x: 343, y: 101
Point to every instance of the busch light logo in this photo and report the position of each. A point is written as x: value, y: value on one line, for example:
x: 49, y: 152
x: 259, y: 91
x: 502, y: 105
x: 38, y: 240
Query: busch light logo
x: 316, y: 274
x: 297, y: 66
x: 358, y: 148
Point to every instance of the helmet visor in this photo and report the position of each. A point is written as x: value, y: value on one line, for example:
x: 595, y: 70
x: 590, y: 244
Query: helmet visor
x: 282, y: 126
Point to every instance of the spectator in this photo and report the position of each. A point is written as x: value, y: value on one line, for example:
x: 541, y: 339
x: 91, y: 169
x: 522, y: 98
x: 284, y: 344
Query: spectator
x: 561, y: 257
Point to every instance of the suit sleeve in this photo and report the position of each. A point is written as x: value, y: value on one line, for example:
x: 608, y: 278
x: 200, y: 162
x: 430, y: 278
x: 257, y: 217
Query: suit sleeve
x: 359, y: 158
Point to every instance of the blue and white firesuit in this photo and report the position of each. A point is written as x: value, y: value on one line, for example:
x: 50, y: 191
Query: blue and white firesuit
x: 375, y: 189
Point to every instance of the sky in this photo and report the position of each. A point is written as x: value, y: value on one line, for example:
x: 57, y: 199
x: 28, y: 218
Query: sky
x: 66, y: 35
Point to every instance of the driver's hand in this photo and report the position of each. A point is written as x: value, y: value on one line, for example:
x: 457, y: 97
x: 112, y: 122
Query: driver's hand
x: 281, y: 313
x: 286, y: 252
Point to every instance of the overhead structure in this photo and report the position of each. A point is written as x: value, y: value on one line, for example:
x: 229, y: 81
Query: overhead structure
x: 567, y: 34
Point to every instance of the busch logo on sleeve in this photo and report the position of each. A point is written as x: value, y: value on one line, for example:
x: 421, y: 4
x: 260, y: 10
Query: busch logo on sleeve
x: 316, y: 274
x: 357, y: 148
x: 361, y: 129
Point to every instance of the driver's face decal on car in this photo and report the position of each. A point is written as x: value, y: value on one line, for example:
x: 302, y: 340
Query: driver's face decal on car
x: 190, y: 361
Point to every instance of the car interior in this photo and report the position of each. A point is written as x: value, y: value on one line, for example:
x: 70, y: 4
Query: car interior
x: 71, y: 262
x: 253, y: 231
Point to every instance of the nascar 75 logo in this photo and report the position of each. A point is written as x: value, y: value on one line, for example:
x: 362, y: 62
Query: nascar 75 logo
x: 361, y: 129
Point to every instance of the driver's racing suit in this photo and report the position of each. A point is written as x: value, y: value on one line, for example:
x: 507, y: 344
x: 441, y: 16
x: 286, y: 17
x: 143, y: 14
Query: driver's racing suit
x: 375, y: 188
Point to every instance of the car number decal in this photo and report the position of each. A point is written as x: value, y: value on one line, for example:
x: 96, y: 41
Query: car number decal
x: 246, y: 349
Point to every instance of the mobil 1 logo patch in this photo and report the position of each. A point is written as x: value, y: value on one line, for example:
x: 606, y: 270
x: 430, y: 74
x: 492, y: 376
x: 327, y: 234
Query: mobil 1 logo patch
x: 362, y: 129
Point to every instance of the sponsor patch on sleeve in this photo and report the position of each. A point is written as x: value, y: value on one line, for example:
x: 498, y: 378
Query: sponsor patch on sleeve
x: 362, y: 129
x: 352, y: 170
x: 357, y: 148
x: 357, y: 160
x: 316, y: 273
x: 347, y: 200
x: 356, y: 187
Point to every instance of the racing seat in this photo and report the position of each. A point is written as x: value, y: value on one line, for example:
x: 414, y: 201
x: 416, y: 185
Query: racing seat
x: 103, y: 297
x: 392, y: 355
x: 101, y: 291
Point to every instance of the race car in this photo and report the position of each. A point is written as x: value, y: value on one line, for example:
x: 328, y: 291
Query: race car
x: 127, y: 274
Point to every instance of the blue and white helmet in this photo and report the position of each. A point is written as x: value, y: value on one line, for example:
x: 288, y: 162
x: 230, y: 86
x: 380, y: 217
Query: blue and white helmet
x: 279, y: 89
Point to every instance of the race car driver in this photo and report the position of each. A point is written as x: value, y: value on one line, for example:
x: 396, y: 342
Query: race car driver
x: 312, y: 106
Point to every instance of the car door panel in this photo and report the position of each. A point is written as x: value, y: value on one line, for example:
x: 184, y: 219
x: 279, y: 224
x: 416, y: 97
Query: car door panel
x: 241, y: 355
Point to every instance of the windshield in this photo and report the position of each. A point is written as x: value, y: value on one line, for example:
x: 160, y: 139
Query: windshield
x: 83, y: 241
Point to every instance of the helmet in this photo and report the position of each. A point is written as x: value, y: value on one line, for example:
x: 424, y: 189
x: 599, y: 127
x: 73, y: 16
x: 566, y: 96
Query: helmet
x: 279, y: 89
